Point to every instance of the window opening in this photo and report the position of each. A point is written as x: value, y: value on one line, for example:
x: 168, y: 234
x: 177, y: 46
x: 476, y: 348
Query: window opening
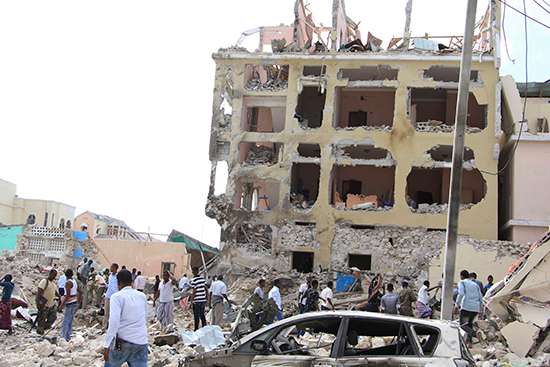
x: 62, y: 223
x: 260, y: 153
x: 369, y: 108
x: 304, y: 185
x: 362, y: 187
x: 302, y: 261
x: 362, y: 262
x: 428, y: 189
x: 266, y: 198
x: 434, y: 110
x: 266, y: 78
x: 309, y: 150
x: 392, y: 338
x: 264, y: 114
x: 309, y: 110
x: 31, y: 219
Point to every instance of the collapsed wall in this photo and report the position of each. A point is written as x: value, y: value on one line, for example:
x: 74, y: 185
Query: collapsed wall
x: 403, y: 253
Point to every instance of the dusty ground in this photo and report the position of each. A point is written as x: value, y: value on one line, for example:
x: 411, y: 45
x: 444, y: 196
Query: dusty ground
x: 28, y: 349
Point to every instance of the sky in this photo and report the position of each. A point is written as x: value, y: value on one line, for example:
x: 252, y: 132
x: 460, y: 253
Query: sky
x: 107, y: 105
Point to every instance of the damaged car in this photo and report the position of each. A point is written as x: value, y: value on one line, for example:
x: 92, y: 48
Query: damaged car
x: 345, y: 338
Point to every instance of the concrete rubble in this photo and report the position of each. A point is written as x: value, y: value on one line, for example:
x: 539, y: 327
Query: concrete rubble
x: 494, y: 346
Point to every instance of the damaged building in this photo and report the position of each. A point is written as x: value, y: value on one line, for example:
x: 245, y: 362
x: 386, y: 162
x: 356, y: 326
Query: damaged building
x: 329, y: 141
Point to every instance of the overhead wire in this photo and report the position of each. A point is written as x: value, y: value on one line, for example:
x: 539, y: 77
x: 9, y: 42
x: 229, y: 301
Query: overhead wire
x: 524, y: 97
x: 504, y: 34
x: 525, y: 15
x: 543, y: 8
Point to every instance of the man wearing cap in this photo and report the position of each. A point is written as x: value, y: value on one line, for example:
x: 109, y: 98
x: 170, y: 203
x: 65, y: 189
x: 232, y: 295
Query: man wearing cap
x: 407, y: 298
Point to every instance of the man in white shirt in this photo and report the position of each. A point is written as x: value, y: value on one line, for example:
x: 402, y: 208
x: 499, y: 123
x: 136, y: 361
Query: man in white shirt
x: 184, y: 282
x: 259, y: 289
x: 301, y: 294
x: 139, y: 283
x: 112, y: 288
x: 424, y: 310
x: 218, y: 291
x: 126, y: 338
x: 326, y: 297
x: 165, y: 310
x: 275, y: 294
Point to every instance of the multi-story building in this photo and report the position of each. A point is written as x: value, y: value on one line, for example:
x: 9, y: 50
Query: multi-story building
x: 47, y: 213
x: 327, y: 147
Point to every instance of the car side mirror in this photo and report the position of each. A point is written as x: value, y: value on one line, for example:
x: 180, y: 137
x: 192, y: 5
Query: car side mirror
x: 259, y: 345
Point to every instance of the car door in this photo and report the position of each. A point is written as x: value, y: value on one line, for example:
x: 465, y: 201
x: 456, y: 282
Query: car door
x: 374, y: 341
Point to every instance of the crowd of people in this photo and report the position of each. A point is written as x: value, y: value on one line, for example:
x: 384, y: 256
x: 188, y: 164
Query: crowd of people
x: 125, y: 304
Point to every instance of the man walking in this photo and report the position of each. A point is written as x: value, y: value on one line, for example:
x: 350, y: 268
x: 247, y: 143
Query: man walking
x: 326, y: 297
x: 275, y: 295
x: 112, y: 288
x: 165, y: 310
x: 424, y: 309
x: 139, y: 282
x: 406, y: 298
x: 302, y: 294
x: 312, y: 297
x: 470, y: 301
x: 47, y: 310
x: 126, y: 339
x: 390, y: 302
x: 184, y: 282
x: 199, y: 298
x: 218, y: 291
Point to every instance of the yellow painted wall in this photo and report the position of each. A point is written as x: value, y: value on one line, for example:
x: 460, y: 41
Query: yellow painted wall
x: 406, y: 146
x: 7, y: 198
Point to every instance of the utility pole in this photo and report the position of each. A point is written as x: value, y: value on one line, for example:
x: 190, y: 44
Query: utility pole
x: 458, y: 155
x: 407, y: 33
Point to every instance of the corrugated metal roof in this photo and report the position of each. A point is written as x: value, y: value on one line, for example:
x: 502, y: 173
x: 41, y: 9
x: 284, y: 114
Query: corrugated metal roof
x: 534, y: 89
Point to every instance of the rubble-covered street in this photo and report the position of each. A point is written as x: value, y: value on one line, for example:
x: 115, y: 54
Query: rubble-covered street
x: 27, y: 348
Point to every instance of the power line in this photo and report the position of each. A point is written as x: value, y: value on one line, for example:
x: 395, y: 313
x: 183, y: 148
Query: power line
x: 525, y: 15
x: 504, y: 34
x: 524, y: 99
x: 543, y: 8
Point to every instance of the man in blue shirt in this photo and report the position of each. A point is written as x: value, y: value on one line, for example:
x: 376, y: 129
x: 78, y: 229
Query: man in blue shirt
x: 112, y: 288
x: 470, y: 301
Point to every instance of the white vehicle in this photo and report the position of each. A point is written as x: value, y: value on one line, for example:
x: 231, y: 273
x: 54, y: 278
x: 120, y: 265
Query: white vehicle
x: 346, y: 338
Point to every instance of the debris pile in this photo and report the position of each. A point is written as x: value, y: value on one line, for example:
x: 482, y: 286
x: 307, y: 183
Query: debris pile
x: 434, y: 126
x: 363, y: 207
x: 277, y: 79
x: 367, y: 128
x: 437, y: 208
x: 300, y: 201
x: 259, y: 154
x: 258, y: 236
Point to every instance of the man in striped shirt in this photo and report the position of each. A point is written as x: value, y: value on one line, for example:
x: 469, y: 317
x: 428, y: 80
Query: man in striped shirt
x: 199, y: 298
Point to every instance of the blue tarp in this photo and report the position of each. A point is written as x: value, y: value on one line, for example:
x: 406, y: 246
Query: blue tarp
x: 81, y: 236
x: 344, y: 283
x: 78, y: 253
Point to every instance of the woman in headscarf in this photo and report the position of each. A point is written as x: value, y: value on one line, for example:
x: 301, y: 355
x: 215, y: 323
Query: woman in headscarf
x: 5, y: 305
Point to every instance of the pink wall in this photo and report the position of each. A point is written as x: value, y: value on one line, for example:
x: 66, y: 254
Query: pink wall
x: 282, y: 32
x: 265, y: 120
x: 248, y: 73
x: 375, y: 180
x: 380, y: 103
x: 531, y: 195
